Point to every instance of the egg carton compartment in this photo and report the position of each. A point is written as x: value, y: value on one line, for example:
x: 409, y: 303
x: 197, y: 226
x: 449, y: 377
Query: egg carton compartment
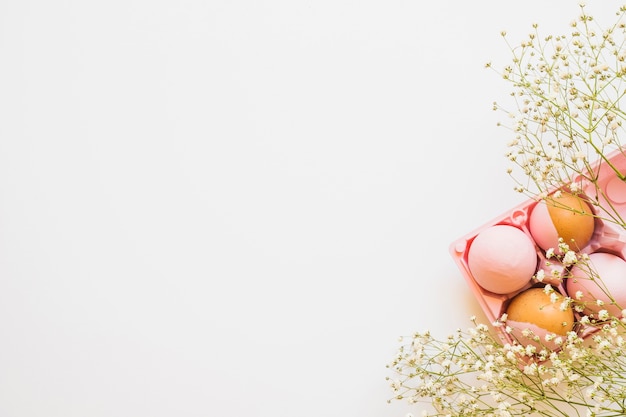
x: 609, y: 190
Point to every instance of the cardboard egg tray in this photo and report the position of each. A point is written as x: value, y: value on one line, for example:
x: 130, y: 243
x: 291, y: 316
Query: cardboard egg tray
x: 607, y: 237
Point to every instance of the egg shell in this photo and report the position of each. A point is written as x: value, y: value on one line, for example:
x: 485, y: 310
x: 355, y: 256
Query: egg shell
x: 568, y: 217
x: 502, y: 259
x: 518, y: 328
x: 541, y: 227
x: 534, y: 310
x: 611, y: 270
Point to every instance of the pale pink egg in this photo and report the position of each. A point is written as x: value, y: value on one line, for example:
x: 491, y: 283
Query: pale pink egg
x: 607, y: 283
x: 502, y: 259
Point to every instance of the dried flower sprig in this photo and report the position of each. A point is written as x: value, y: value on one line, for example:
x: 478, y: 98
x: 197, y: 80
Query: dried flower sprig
x: 472, y: 373
x: 567, y: 93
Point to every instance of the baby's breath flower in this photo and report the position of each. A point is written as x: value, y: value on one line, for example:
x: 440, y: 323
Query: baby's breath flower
x: 540, y: 275
x: 570, y: 258
x: 554, y: 297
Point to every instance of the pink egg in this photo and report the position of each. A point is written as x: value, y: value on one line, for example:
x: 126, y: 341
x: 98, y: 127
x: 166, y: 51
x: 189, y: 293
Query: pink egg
x: 502, y: 259
x: 609, y: 286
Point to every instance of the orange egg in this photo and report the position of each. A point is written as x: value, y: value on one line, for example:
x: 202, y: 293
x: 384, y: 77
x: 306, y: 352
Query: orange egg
x: 533, y: 306
x: 568, y: 217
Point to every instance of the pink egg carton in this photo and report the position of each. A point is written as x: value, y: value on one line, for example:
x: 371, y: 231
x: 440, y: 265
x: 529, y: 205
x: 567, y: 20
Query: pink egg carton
x: 607, y: 237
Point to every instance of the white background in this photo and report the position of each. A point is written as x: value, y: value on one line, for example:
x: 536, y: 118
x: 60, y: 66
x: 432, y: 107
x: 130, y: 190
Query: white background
x: 234, y: 208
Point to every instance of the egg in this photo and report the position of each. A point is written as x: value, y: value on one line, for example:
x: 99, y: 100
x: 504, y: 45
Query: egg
x: 534, y: 310
x: 568, y: 217
x: 502, y: 259
x: 609, y: 284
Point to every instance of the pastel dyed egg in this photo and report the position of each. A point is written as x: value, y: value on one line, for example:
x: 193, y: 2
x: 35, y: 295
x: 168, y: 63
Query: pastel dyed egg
x: 502, y: 259
x: 602, y: 278
x: 568, y: 217
x: 535, y: 312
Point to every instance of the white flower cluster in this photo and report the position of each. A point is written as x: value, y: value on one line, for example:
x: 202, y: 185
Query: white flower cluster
x: 472, y: 373
x: 567, y: 95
